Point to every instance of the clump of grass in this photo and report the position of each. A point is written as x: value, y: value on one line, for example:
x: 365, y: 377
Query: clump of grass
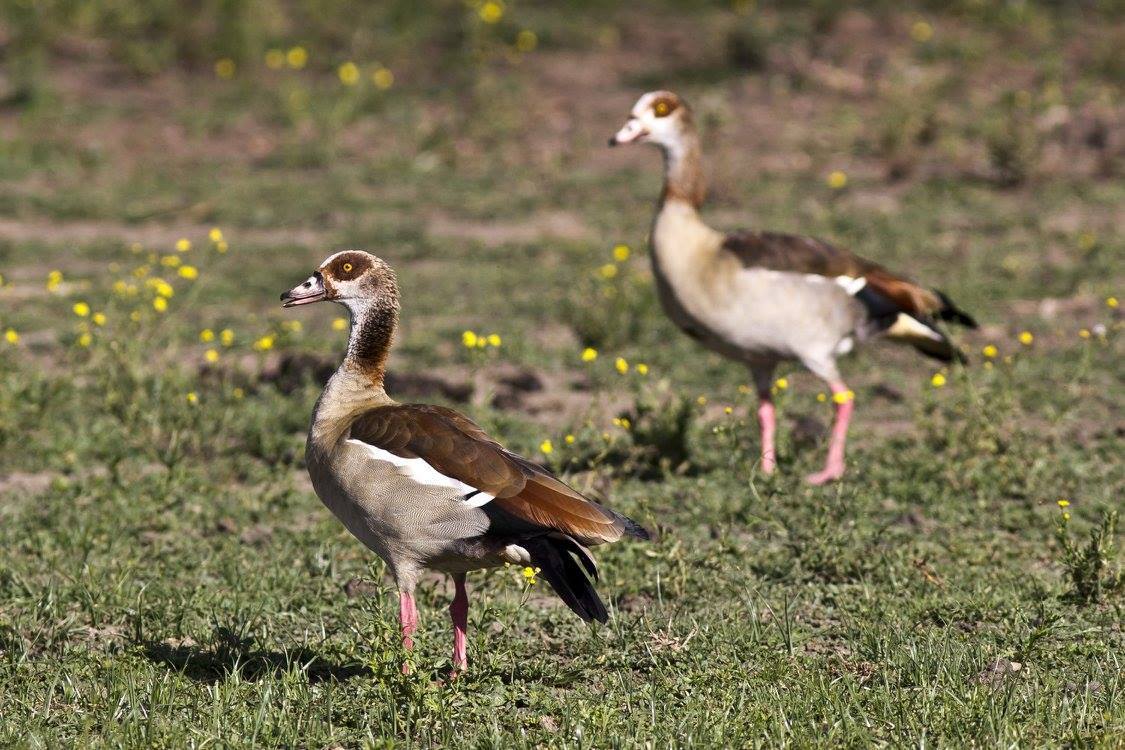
x: 1012, y: 142
x: 614, y: 305
x: 1091, y: 568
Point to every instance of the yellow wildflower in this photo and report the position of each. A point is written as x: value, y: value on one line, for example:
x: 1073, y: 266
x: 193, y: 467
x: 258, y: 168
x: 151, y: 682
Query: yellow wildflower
x: 1084, y: 333
x: 1087, y: 240
x: 744, y: 389
x: 160, y: 304
x: 224, y: 68
x: 782, y: 383
x: 211, y: 355
x: 171, y: 261
x: 81, y: 309
x: 569, y: 439
x: 215, y: 235
x: 546, y: 447
x: 54, y: 279
x: 728, y: 410
x: 491, y: 12
x: 938, y: 380
x: 293, y: 326
x: 469, y: 339
x: 822, y: 397
x: 140, y: 272
x: 1026, y: 338
x: 1064, y: 503
x: 494, y: 339
x: 238, y: 393
x: 265, y: 343
x: 226, y: 336
x: 589, y: 354
x: 383, y: 78
x: 206, y: 335
x: 837, y: 180
x: 183, y: 245
x: 162, y: 287
x: 222, y: 246
x: 192, y: 397
x: 11, y: 336
x: 843, y: 397
x: 135, y: 316
x: 990, y: 351
x: 608, y: 271
x: 526, y: 40
x: 349, y: 73
x: 621, y: 365
x: 85, y: 340
x: 1065, y: 516
x: 275, y: 58
x: 297, y: 57
x: 189, y: 272
x: 621, y: 253
x: 1111, y: 302
x: 921, y: 31
x: 99, y: 318
x: 642, y: 368
x: 529, y: 575
x: 340, y: 324
x: 702, y: 401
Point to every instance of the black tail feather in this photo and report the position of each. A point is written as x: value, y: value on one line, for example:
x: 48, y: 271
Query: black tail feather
x: 565, y: 568
x: 952, y: 313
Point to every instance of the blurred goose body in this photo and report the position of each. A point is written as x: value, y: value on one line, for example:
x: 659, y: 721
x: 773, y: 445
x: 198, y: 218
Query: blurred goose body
x: 763, y: 297
x: 426, y: 488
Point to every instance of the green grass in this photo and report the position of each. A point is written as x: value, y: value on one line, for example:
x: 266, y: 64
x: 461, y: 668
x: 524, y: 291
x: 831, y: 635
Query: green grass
x: 168, y: 578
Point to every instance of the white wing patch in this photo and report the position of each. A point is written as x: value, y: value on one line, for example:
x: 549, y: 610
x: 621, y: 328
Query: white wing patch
x: 421, y: 472
x: 907, y: 327
x: 851, y: 285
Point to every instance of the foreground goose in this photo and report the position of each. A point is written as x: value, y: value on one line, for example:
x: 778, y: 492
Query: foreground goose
x: 425, y: 487
x: 761, y: 297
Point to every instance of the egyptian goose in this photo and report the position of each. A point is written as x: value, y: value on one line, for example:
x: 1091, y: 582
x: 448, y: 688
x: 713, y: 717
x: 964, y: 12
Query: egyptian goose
x: 425, y: 487
x: 762, y: 297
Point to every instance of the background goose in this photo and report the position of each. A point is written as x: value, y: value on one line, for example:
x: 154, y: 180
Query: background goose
x: 763, y: 297
x: 425, y: 487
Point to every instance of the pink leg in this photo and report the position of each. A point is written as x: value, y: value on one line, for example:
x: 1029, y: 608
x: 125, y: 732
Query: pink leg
x: 834, y: 467
x: 408, y: 618
x: 459, y: 613
x: 767, y: 421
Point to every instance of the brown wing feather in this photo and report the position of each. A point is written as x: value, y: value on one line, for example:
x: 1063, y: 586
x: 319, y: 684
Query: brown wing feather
x: 457, y: 447
x: 793, y: 253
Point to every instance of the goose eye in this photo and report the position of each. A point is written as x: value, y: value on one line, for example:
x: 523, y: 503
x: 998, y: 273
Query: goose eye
x: 347, y: 268
x: 662, y: 108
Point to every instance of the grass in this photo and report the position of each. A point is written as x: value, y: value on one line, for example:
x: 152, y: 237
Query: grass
x: 168, y: 577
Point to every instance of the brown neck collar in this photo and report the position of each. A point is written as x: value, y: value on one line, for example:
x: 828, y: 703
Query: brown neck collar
x: 683, y: 171
x: 373, y: 328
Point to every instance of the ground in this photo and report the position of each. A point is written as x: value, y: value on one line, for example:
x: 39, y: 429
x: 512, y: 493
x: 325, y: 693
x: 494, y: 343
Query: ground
x: 168, y: 577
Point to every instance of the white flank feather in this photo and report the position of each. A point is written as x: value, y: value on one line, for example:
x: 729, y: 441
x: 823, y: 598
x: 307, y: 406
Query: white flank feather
x: 422, y: 472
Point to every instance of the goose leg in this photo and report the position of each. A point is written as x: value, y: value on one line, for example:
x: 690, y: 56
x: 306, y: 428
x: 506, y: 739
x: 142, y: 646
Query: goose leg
x: 459, y: 613
x: 834, y: 467
x: 767, y: 417
x: 408, y: 619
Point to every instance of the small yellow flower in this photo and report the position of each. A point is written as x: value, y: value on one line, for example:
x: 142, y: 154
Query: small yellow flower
x: 1026, y: 338
x: 226, y: 336
x: 843, y: 397
x: 349, y: 73
x: 238, y: 393
x: 163, y: 288
x: 938, y: 380
x: 822, y: 397
x: 782, y: 383
x: 140, y: 272
x: 192, y: 397
x: 171, y: 261
x: 264, y: 344
x: 221, y: 246
x: 297, y: 57
x: 621, y: 253
x: 81, y: 309
x: 135, y: 316
x: 1111, y: 302
x: 608, y: 271
x: 728, y: 410
x: 491, y: 12
x: 744, y: 390
x: 837, y: 180
x: 569, y: 439
x: 529, y: 575
x: 702, y: 401
x: 1086, y: 241
x: 1064, y: 503
x: 211, y: 355
x: 988, y: 365
x: 206, y: 335
x: 85, y: 339
x: 990, y: 351
x: 383, y: 78
x: 160, y: 304
x: 589, y: 354
x: 215, y: 235
x: 275, y: 59
x: 469, y: 339
x: 224, y: 68
x: 11, y: 336
x: 54, y: 279
x: 340, y: 324
x: 526, y: 41
x: 641, y: 368
x: 494, y: 339
x: 183, y: 245
x: 189, y: 272
x: 921, y: 31
x: 623, y: 423
x: 546, y: 447
x: 1084, y: 333
x: 1065, y: 516
x: 98, y: 318
x: 621, y: 365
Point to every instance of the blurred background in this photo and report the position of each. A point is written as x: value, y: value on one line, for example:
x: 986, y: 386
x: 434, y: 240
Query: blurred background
x: 168, y: 168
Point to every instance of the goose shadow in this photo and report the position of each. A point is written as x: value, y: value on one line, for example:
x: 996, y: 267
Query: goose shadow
x: 228, y: 654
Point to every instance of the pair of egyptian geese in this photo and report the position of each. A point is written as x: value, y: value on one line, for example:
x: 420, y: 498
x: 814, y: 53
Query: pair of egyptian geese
x: 426, y: 488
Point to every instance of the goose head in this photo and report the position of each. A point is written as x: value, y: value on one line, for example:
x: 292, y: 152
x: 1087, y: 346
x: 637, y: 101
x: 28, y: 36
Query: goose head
x: 352, y: 278
x: 658, y: 117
